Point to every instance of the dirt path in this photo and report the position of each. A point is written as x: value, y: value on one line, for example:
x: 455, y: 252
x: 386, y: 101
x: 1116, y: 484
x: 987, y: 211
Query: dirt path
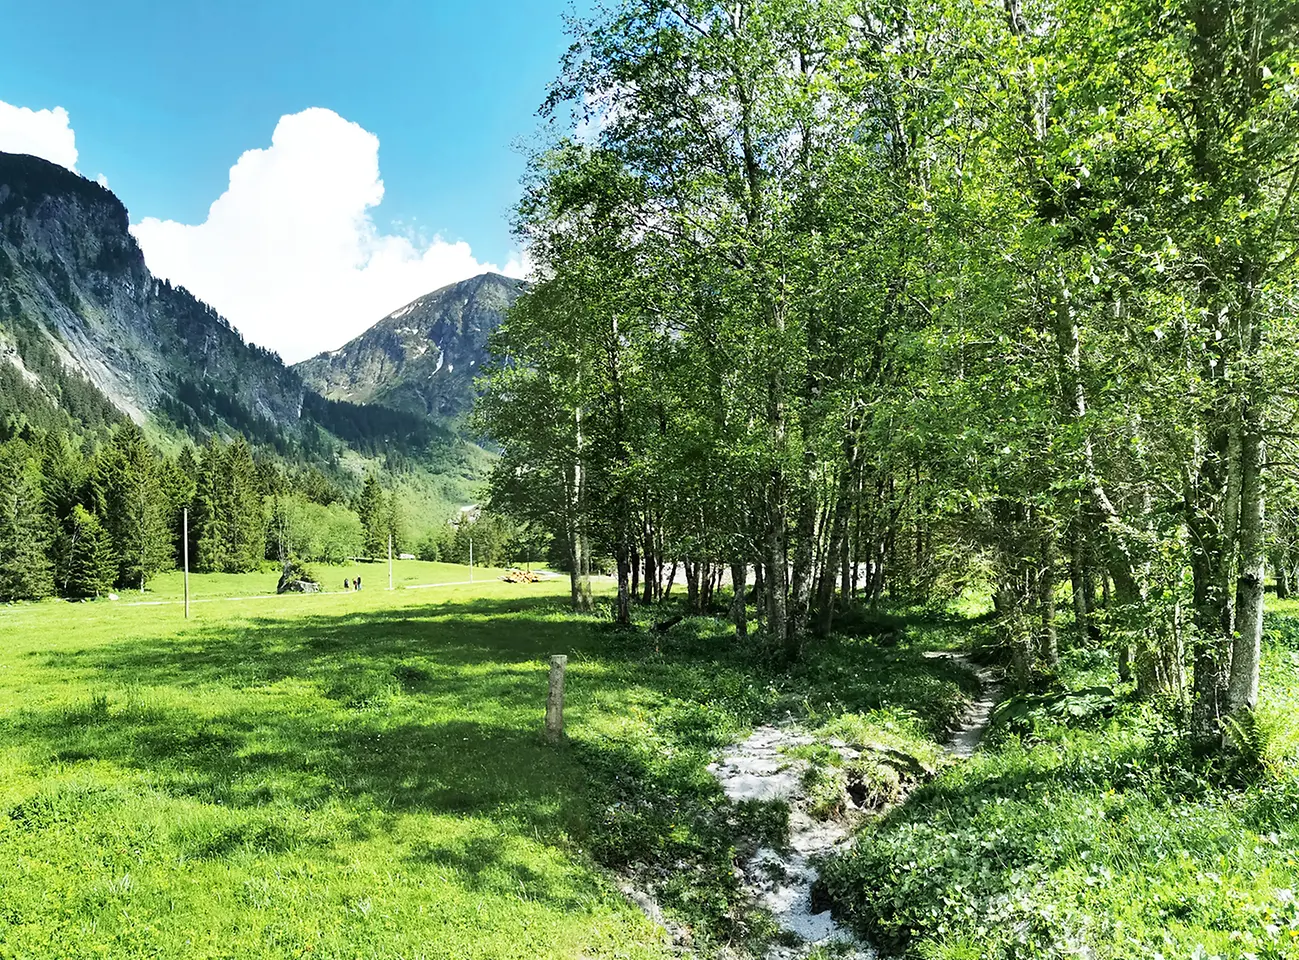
x: 781, y: 881
x: 967, y: 737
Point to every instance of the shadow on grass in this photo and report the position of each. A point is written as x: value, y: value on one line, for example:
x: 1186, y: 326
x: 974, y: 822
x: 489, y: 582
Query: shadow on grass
x: 437, y: 709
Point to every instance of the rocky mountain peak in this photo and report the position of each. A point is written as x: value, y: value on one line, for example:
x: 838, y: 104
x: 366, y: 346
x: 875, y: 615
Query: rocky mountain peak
x: 423, y: 357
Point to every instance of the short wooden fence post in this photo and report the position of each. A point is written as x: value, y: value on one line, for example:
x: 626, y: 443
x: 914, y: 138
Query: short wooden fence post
x: 555, y: 699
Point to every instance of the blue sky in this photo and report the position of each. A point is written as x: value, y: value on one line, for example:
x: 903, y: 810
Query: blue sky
x: 165, y: 97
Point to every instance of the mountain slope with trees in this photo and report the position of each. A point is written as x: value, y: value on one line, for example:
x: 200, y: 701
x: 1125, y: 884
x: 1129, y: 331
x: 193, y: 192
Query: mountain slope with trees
x: 109, y: 379
x: 88, y: 337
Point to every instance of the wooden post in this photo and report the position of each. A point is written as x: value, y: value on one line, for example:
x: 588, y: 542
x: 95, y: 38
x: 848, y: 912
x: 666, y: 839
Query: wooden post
x: 185, y: 550
x: 390, y: 561
x: 555, y: 699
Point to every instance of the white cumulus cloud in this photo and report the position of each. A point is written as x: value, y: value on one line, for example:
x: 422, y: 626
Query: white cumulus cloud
x: 290, y: 252
x: 43, y: 133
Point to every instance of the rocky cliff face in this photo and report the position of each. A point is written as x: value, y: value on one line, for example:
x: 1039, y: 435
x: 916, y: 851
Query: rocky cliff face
x: 73, y: 280
x: 422, y: 358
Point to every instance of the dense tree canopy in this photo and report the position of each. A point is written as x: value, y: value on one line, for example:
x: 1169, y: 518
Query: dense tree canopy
x: 879, y: 300
x: 80, y: 518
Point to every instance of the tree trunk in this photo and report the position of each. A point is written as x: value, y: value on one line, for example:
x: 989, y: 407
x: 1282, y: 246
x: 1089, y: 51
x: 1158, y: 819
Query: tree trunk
x: 1281, y: 570
x: 777, y: 574
x: 1242, y: 684
x: 1094, y: 635
x: 1048, y: 646
x: 651, y: 570
x: 739, y: 611
x: 834, y: 558
x: 1018, y: 635
x: 1209, y: 652
x: 1082, y: 600
x: 622, y: 612
x: 801, y: 587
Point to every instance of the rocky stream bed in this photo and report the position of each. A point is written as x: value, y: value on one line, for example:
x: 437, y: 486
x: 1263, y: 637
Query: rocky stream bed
x: 781, y: 881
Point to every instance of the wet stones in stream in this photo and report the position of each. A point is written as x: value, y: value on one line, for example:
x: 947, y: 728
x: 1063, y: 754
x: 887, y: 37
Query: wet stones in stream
x: 781, y: 879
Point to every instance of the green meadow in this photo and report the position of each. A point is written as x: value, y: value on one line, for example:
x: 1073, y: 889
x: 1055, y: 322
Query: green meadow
x: 363, y: 775
x: 353, y: 775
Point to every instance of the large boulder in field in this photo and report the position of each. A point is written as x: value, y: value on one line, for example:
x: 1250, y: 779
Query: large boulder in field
x: 296, y: 578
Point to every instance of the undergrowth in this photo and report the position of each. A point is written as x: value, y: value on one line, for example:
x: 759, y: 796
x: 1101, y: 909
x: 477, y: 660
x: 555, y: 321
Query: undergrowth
x: 659, y: 815
x: 1085, y: 828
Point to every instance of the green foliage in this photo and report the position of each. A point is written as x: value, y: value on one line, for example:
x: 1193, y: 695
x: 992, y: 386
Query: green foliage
x: 1020, y: 714
x: 25, y: 571
x: 1254, y: 738
x: 325, y: 534
x: 374, y: 511
x: 87, y: 566
x: 245, y: 534
x: 228, y: 523
x: 493, y: 537
x: 1100, y: 835
x: 126, y: 492
x: 437, y: 545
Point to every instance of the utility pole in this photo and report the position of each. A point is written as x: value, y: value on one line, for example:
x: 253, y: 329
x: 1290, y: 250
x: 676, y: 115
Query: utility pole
x: 389, y: 561
x: 185, y: 550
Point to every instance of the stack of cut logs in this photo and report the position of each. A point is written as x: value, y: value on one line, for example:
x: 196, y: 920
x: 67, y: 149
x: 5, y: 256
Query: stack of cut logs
x: 521, y: 576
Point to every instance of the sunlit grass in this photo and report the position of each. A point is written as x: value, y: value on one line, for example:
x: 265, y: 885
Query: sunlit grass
x: 363, y: 775
x: 356, y: 775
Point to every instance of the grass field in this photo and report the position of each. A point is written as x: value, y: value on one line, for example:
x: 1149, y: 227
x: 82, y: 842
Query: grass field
x: 169, y: 586
x: 362, y: 775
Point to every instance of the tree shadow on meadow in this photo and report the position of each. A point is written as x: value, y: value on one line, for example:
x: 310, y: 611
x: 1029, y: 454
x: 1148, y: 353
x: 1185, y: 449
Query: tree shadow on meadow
x: 437, y: 709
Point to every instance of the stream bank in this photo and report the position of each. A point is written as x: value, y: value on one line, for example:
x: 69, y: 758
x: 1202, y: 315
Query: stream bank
x: 782, y: 881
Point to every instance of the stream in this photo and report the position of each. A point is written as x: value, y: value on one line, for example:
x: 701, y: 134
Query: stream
x: 781, y: 881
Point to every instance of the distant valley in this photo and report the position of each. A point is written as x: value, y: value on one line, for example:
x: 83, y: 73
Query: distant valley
x: 88, y: 336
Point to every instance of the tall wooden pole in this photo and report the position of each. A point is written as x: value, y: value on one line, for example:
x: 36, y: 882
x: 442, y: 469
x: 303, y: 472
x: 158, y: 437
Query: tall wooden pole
x: 185, y: 550
x: 390, y: 561
x: 471, y: 558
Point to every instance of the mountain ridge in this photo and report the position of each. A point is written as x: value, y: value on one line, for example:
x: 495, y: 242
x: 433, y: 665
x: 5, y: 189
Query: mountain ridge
x: 421, y: 358
x: 84, y: 323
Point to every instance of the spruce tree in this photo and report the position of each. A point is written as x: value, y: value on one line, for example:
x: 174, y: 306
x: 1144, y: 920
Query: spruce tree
x: 176, y: 485
x: 62, y: 476
x: 393, y: 523
x: 91, y: 565
x: 133, y: 508
x: 188, y: 463
x: 25, y: 572
x: 208, y: 526
x: 244, y: 520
